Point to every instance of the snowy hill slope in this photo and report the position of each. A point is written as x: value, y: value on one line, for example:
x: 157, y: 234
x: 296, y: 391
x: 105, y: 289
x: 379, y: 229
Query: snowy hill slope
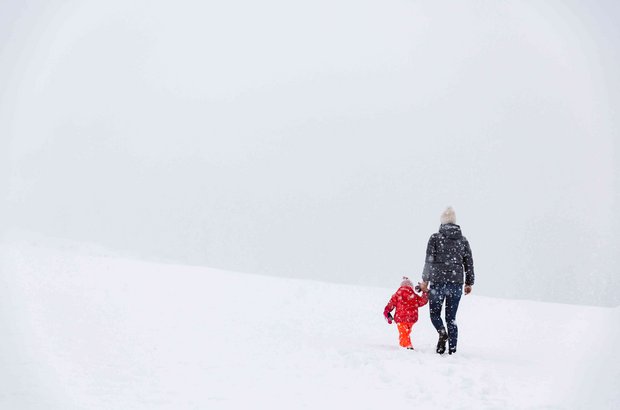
x: 82, y: 331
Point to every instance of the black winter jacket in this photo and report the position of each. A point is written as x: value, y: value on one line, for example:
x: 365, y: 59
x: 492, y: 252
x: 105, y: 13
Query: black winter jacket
x: 448, y: 257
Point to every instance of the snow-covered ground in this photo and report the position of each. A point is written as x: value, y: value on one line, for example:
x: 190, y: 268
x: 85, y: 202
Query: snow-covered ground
x: 82, y: 330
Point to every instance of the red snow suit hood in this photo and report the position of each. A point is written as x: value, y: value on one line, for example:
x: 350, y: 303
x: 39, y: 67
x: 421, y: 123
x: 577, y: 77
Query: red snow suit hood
x: 406, y: 302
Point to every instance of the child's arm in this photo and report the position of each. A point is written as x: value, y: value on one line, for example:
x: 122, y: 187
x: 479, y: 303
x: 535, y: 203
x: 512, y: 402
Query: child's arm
x: 388, y: 309
x: 423, y: 299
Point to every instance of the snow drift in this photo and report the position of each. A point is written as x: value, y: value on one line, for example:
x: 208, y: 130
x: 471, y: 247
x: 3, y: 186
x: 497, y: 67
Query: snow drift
x: 86, y: 330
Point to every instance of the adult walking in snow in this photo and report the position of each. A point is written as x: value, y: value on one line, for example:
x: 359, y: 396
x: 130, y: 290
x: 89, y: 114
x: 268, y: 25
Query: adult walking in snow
x: 448, y: 266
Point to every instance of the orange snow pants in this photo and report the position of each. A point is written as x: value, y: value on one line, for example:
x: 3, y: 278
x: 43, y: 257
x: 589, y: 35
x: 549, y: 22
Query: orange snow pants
x: 404, y: 330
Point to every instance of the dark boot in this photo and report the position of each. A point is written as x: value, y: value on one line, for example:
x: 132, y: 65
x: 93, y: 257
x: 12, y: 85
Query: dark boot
x: 441, y: 343
x: 452, y: 350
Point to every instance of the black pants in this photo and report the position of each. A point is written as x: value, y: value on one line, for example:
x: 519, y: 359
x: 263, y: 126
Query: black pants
x: 450, y: 293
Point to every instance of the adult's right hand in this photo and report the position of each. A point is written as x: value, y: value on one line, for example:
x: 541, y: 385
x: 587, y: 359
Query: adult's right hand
x: 423, y: 286
x: 467, y: 289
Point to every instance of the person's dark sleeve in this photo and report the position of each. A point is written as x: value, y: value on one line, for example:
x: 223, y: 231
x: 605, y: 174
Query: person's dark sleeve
x: 430, y: 258
x: 468, y: 265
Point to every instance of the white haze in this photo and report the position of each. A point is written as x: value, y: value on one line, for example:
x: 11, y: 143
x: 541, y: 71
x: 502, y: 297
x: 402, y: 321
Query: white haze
x: 321, y: 139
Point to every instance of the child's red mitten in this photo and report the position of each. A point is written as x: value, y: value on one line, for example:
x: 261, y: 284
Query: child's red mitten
x: 389, y: 318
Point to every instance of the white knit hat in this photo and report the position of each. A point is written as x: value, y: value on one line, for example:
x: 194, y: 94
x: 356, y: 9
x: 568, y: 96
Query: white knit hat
x: 406, y: 282
x: 448, y: 216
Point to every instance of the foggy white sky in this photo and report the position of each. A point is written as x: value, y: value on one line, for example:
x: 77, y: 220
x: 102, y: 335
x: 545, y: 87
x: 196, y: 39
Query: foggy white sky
x: 321, y: 139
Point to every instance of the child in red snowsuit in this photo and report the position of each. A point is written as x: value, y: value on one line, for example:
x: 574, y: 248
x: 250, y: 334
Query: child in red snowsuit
x: 406, y: 302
